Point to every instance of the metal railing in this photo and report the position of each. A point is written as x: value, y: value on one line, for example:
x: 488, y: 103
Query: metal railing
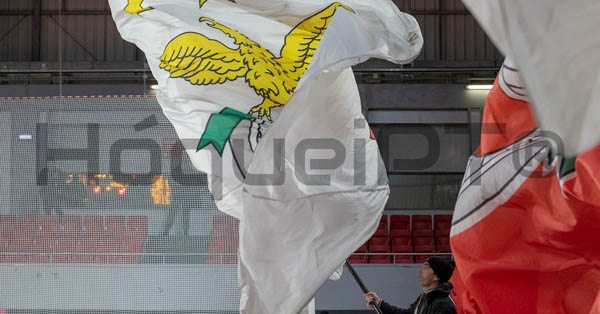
x: 166, y: 255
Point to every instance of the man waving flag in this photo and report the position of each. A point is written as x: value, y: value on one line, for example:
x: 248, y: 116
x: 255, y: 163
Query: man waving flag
x: 262, y: 96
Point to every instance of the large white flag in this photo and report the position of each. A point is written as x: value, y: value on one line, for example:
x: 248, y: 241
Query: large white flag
x: 556, y: 46
x: 262, y: 96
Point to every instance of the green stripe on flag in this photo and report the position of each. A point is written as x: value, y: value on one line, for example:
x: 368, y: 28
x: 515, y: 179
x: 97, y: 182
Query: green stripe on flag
x: 219, y: 128
x: 568, y: 166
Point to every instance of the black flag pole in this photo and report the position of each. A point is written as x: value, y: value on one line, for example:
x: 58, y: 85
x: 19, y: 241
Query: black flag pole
x: 362, y: 286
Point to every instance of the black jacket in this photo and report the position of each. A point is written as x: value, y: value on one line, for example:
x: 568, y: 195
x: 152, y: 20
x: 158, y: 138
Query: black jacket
x: 435, y: 302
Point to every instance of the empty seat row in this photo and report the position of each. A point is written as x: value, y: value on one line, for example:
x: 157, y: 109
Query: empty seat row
x: 81, y: 258
x: 406, y: 225
x: 46, y: 224
x: 408, y: 235
x: 71, y: 239
x: 406, y: 245
x: 83, y: 245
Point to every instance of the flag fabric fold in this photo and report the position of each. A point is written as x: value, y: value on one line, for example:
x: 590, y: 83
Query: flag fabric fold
x: 555, y: 46
x: 525, y: 223
x: 263, y: 99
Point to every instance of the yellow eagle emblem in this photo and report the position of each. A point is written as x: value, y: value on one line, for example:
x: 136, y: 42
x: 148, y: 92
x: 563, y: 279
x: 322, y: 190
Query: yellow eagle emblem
x: 204, y: 61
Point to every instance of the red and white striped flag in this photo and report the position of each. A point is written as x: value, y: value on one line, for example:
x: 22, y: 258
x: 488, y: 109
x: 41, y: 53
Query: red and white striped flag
x: 526, y: 223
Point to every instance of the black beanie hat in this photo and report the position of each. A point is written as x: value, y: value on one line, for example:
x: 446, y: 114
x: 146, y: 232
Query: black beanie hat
x: 442, y: 267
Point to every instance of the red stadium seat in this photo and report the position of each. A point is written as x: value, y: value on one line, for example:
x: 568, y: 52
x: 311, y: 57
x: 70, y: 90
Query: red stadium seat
x: 133, y: 245
x: 93, y: 225
x: 399, y: 220
x: 38, y: 258
x: 85, y: 258
x: 84, y: 250
x: 442, y: 230
x: 13, y: 259
x: 423, y: 233
x: 420, y: 259
x: 41, y: 245
x: 64, y: 250
x: 48, y: 225
x: 4, y: 243
x: 421, y: 218
x: 20, y: 243
x: 115, y: 224
x: 380, y: 259
x: 380, y: 245
x: 8, y: 220
x: 402, y: 245
x: 422, y: 236
x: 400, y: 225
x: 421, y: 225
x: 442, y: 218
x: 404, y: 259
x: 8, y: 225
x: 382, y: 228
x: 381, y: 233
x: 70, y: 227
x: 400, y: 233
x: 28, y: 224
x: 109, y: 245
x: 63, y: 246
x: 363, y: 248
x: 443, y: 245
x: 360, y: 259
x: 424, y: 244
x: 37, y: 250
x: 442, y: 225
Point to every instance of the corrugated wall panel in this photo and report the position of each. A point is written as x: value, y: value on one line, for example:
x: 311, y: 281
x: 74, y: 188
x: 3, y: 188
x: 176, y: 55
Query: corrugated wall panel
x: 52, y: 36
x: 100, y: 36
x: 19, y: 5
x: 449, y: 37
x: 403, y: 5
x: 429, y: 27
x: 469, y: 38
x: 87, y: 38
x: 49, y: 40
x: 117, y: 49
x: 464, y: 38
x: 15, y: 32
x: 16, y: 38
x: 5, y: 24
x: 86, y: 5
x: 50, y: 4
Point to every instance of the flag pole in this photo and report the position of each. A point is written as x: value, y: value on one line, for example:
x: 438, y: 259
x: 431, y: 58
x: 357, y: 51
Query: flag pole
x: 362, y: 287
